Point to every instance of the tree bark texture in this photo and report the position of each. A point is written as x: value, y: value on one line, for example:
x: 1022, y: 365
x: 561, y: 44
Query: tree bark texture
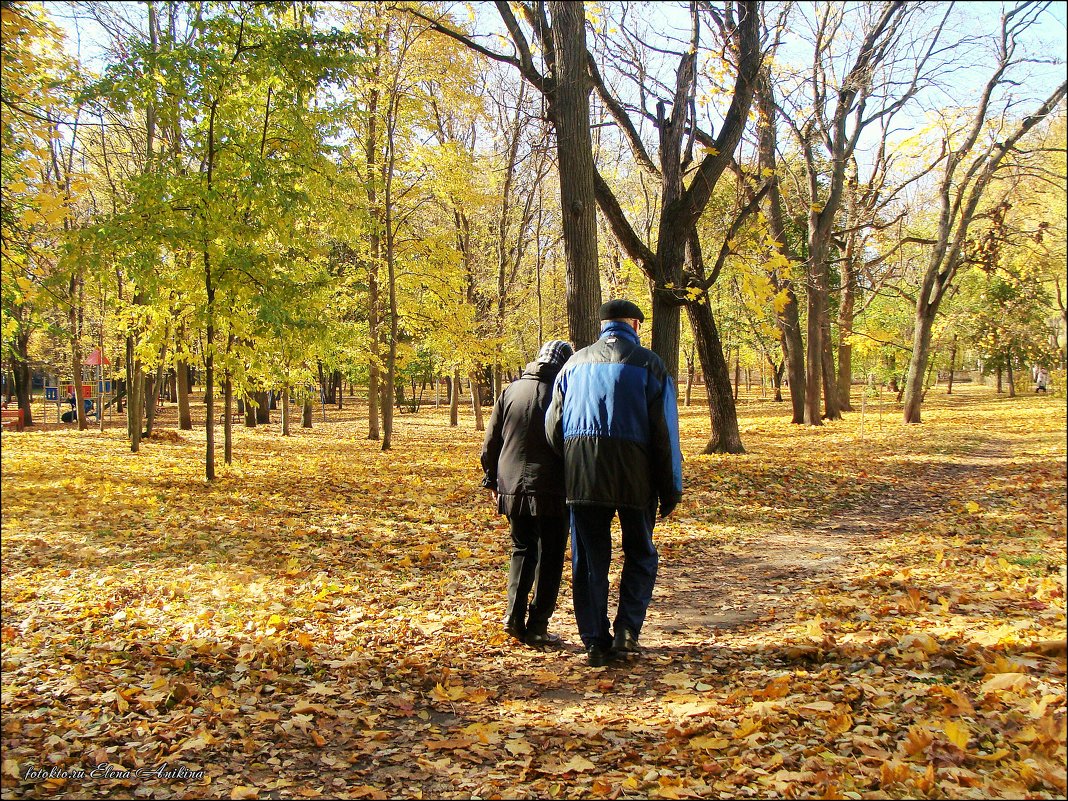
x: 725, y: 437
x: 570, y: 110
x: 23, y: 376
x: 952, y: 364
x: 476, y: 402
x: 789, y: 317
x: 912, y: 388
x: 228, y: 419
x: 373, y: 262
x: 185, y: 418
x: 263, y: 408
x: 454, y: 398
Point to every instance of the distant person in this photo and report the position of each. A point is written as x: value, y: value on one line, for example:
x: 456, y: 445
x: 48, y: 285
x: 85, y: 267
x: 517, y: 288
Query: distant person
x: 1041, y: 379
x: 526, y: 479
x: 614, y: 419
x: 71, y: 416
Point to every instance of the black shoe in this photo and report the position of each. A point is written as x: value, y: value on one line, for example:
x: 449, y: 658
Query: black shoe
x: 542, y: 638
x: 515, y: 628
x: 597, y: 655
x: 626, y: 642
x: 538, y: 635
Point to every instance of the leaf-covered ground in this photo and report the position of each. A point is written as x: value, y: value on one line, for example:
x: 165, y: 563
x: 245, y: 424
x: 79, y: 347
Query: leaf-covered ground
x: 862, y: 610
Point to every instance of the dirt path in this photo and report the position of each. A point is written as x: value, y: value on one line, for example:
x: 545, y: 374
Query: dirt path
x: 755, y: 576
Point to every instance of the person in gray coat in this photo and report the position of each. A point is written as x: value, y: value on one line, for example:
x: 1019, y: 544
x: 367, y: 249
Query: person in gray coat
x: 526, y: 477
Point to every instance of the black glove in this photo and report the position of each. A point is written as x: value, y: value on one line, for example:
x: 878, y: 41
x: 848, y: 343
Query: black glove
x: 667, y: 505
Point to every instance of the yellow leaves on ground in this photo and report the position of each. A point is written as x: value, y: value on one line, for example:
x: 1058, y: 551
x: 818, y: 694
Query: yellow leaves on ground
x: 957, y: 733
x: 577, y: 764
x: 325, y: 620
x: 710, y: 743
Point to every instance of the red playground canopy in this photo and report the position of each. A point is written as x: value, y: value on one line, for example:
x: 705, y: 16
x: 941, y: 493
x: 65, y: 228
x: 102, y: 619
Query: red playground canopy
x: 94, y: 358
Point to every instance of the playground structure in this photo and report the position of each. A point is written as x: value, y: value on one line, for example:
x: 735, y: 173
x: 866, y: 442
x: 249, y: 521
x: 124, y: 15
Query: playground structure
x: 96, y: 403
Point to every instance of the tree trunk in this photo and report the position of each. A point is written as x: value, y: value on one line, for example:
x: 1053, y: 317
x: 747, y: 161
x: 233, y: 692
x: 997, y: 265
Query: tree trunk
x: 454, y: 398
x: 23, y: 376
x: 209, y: 373
x: 337, y: 386
x: 793, y: 351
x: 689, y: 376
x: 209, y: 286
x: 134, y: 396
x: 185, y: 418
x: 1008, y: 368
x: 498, y: 379
x: 228, y: 419
x: 952, y: 364
x: 394, y: 323
x: 831, y: 408
x: 306, y: 417
x: 921, y: 346
x: 847, y: 299
x: 569, y: 104
x: 789, y: 317
x: 153, y: 395
x: 476, y: 401
x: 285, y: 411
x: 149, y: 401
x: 776, y: 378
x: 76, y: 368
x: 737, y: 372
x: 927, y: 384
x: 845, y: 365
x: 817, y: 304
x: 374, y: 240
x: 725, y: 437
x: 263, y: 408
x: 100, y: 375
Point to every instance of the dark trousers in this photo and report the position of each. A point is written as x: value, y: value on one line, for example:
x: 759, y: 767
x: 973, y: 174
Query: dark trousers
x: 591, y: 552
x: 537, y: 563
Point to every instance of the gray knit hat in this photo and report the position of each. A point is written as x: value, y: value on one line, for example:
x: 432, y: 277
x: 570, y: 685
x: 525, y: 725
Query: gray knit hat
x: 555, y: 351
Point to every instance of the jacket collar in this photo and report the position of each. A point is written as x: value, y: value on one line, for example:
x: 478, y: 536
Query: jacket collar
x: 617, y: 328
x: 542, y: 371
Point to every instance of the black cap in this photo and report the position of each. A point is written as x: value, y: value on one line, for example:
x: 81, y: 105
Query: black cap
x: 621, y: 310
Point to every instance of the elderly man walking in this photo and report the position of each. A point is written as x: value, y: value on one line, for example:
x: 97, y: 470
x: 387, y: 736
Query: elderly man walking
x: 525, y: 477
x: 614, y: 418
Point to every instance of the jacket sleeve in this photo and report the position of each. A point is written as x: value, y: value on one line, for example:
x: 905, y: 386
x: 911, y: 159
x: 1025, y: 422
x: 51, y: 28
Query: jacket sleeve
x: 492, y: 444
x: 554, y: 415
x: 667, y: 454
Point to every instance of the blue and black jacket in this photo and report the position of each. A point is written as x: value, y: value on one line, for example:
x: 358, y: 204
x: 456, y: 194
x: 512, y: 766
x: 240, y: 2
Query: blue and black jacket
x: 614, y: 418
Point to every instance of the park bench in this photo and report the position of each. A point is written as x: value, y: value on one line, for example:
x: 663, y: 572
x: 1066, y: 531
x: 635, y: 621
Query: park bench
x: 12, y: 417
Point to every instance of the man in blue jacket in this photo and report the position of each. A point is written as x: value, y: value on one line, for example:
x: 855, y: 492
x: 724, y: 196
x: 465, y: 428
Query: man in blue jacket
x: 614, y: 418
